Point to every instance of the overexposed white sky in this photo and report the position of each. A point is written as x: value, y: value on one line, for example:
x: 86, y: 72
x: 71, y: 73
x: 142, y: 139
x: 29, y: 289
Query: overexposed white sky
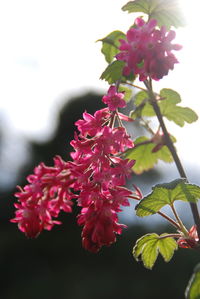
x: 48, y: 52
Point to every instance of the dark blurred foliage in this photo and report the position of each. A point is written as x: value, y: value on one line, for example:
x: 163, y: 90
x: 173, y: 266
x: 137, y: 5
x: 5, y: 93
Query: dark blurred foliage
x: 55, y: 266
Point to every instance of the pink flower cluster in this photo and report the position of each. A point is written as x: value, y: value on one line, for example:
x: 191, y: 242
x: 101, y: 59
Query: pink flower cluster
x: 96, y: 175
x: 100, y: 177
x: 147, y: 50
x: 44, y: 197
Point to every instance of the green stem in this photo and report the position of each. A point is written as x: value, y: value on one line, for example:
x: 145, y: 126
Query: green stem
x: 172, y: 149
x: 183, y: 228
x: 174, y: 223
x: 171, y: 236
x: 134, y: 85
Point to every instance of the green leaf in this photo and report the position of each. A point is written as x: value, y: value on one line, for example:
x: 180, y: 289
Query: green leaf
x: 166, y: 12
x: 166, y: 194
x: 143, y: 107
x: 140, y: 101
x: 127, y: 92
x: 180, y: 115
x: 149, y: 246
x: 110, y: 44
x: 169, y: 96
x: 138, y: 6
x: 113, y: 72
x: 168, y: 106
x: 143, y: 155
x: 171, y: 111
x: 193, y: 287
x: 145, y: 158
x: 141, y: 98
x: 164, y: 154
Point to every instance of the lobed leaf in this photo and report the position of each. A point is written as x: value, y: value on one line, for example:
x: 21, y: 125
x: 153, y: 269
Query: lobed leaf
x: 166, y: 12
x: 169, y: 109
x: 110, y: 44
x: 145, y: 158
x: 149, y: 246
x: 180, y: 115
x: 169, y: 96
x: 166, y: 194
x: 168, y: 106
x: 113, y: 72
x: 138, y: 6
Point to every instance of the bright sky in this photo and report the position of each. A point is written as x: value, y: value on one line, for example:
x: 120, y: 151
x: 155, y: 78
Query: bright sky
x: 48, y: 52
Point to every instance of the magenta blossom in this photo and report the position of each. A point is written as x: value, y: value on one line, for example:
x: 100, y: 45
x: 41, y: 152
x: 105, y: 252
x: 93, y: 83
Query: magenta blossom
x: 114, y: 99
x: 147, y: 50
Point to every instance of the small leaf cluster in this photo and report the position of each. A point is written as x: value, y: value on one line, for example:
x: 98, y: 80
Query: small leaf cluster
x: 143, y: 152
x: 149, y: 246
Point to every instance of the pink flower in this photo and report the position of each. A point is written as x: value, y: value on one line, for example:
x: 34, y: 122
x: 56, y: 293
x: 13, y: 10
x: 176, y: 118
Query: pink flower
x: 147, y: 50
x: 90, y: 125
x: 114, y: 99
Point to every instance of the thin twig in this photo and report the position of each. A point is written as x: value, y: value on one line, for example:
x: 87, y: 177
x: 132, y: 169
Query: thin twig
x: 134, y: 85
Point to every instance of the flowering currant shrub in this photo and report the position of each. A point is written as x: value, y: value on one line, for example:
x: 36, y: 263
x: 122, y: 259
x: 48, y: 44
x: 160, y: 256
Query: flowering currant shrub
x: 104, y: 155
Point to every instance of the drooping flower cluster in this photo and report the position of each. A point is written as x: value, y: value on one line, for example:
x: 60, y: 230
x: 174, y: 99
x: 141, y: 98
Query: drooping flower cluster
x: 44, y: 197
x: 95, y: 177
x: 101, y: 174
x: 147, y: 51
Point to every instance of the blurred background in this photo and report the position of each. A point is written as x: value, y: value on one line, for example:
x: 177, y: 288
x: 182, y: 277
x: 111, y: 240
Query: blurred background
x: 49, y: 70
